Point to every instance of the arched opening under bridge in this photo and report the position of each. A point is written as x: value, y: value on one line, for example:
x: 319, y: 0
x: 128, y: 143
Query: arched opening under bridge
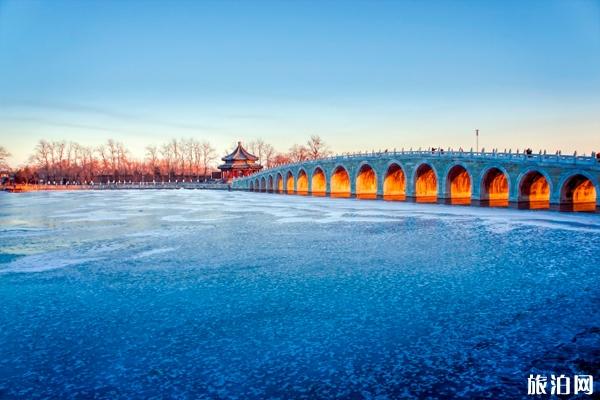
x: 578, y: 194
x: 394, y: 184
x: 319, y: 185
x: 289, y: 187
x: 494, y: 188
x: 425, y: 184
x: 340, y: 183
x: 366, y: 183
x: 458, y: 185
x: 302, y: 183
x: 257, y: 185
x: 534, y: 191
x: 279, y: 184
x: 251, y: 186
x: 263, y: 184
x: 270, y: 184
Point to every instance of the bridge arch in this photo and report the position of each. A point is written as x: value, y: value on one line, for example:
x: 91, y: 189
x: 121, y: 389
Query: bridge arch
x: 340, y: 182
x: 394, y: 182
x: 302, y: 182
x: 578, y: 192
x: 289, y: 183
x: 366, y: 182
x: 263, y: 184
x: 279, y: 183
x: 251, y: 186
x: 425, y: 183
x: 318, y: 182
x: 459, y: 184
x: 535, y: 187
x: 257, y: 185
x: 495, y: 187
x: 270, y: 184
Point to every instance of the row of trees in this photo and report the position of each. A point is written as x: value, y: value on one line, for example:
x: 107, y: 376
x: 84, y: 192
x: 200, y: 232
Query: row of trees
x: 314, y: 148
x: 62, y: 161
x: 183, y: 159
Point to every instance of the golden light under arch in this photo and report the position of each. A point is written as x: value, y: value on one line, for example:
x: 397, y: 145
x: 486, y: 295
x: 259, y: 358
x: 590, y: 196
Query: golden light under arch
x: 458, y: 185
x: 494, y: 188
x: 340, y: 183
x: 534, y: 191
x: 394, y: 184
x: 279, y: 186
x: 290, y: 183
x: 366, y: 182
x: 318, y: 182
x: 578, y: 194
x: 302, y: 183
x: 425, y: 184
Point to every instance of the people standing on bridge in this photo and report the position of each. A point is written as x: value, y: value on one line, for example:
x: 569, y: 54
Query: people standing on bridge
x: 598, y: 157
x: 529, y: 152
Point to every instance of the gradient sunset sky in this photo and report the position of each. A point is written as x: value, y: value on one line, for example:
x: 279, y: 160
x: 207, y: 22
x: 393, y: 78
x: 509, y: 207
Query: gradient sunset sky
x: 363, y: 75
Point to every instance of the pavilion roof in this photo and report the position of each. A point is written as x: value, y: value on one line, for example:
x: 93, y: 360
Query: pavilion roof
x: 239, y: 154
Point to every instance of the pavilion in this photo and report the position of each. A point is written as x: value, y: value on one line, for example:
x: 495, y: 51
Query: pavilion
x: 239, y: 163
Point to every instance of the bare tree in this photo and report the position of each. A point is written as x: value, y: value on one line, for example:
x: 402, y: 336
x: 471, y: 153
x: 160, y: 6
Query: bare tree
x: 41, y: 157
x: 89, y: 163
x: 4, y: 154
x: 317, y: 148
x: 152, y: 159
x: 268, y: 154
x: 187, y: 147
x: 298, y: 153
x: 255, y: 147
x: 280, y: 158
x: 167, y: 154
x: 208, y: 155
x: 104, y: 160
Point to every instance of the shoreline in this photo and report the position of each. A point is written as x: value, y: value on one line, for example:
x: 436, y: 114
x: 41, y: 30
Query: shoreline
x: 114, y: 186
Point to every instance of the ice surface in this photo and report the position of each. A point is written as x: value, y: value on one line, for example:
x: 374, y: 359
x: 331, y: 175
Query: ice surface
x: 201, y: 294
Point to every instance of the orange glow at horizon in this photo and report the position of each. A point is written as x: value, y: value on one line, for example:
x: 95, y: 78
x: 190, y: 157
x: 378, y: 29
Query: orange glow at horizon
x: 302, y: 183
x: 340, y: 183
x: 394, y: 185
x: 426, y: 185
x: 319, y: 185
x: 366, y: 183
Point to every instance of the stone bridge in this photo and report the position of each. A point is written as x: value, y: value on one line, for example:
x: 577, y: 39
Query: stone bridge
x: 555, y: 181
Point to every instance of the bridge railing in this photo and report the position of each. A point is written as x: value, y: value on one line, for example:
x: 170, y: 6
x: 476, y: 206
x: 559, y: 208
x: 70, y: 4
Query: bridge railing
x: 542, y: 157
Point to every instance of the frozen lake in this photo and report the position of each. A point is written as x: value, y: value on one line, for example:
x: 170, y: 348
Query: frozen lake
x: 201, y: 294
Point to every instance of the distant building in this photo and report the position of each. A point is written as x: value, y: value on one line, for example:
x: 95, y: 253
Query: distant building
x: 239, y: 163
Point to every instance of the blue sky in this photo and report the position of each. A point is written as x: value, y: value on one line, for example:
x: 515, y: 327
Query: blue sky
x: 362, y: 75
